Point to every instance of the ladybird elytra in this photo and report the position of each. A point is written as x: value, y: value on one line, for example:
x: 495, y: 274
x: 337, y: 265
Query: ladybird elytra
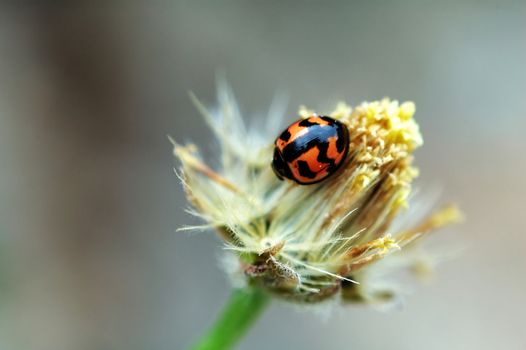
x: 310, y: 150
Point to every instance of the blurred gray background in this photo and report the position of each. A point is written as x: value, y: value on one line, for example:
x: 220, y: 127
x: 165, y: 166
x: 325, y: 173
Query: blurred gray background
x: 89, y: 256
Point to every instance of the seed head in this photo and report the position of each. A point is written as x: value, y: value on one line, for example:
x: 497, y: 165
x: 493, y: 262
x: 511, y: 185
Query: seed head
x: 310, y: 243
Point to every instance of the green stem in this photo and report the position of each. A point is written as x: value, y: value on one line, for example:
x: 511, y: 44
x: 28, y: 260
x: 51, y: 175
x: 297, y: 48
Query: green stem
x: 241, y: 310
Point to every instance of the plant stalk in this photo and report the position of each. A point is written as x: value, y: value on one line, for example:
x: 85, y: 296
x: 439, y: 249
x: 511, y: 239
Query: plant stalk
x: 236, y: 318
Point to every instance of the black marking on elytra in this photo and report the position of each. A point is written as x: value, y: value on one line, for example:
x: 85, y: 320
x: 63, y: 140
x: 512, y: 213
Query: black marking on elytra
x: 303, y: 168
x: 280, y: 167
x: 340, y: 144
x: 343, y: 137
x: 322, y: 156
x: 329, y: 119
x: 317, y: 135
x: 285, y: 135
x: 307, y: 123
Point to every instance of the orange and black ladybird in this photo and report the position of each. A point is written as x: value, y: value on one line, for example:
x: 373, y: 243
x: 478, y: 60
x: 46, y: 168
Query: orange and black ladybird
x: 310, y: 149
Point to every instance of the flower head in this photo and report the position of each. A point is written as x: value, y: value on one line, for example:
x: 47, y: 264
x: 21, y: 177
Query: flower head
x: 310, y: 243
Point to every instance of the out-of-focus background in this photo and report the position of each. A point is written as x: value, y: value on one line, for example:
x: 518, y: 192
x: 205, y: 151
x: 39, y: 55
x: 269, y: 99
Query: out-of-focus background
x: 89, y: 256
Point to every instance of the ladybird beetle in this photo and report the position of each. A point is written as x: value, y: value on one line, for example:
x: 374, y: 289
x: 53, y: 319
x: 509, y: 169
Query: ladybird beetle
x: 310, y: 149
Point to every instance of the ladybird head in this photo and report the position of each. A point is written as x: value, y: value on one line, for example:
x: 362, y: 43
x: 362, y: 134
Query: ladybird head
x: 280, y: 167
